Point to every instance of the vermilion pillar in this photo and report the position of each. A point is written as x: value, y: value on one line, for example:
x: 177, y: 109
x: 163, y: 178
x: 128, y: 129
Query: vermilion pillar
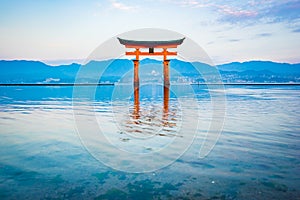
x: 166, y: 73
x: 136, y: 80
x: 166, y: 102
x: 136, y: 110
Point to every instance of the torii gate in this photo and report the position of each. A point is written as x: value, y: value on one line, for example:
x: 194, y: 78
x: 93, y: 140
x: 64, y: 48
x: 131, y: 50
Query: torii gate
x: 137, y: 45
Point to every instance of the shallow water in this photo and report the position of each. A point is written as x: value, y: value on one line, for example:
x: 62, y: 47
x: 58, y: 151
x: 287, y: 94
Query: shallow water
x: 43, y: 157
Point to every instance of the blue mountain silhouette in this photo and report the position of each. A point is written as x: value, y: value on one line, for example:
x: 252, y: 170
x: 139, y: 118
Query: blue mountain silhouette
x: 22, y: 71
x: 279, y: 68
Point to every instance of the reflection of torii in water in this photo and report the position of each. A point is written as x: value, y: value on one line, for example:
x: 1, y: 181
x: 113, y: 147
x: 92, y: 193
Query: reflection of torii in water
x: 151, y: 45
x: 136, y: 110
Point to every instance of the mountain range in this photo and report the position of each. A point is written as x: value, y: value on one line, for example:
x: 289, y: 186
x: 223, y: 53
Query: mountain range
x: 22, y: 71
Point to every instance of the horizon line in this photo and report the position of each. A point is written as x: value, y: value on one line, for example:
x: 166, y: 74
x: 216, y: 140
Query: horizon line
x: 112, y: 84
x: 73, y: 61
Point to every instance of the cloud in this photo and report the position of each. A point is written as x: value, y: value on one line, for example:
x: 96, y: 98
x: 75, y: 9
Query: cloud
x: 284, y: 10
x: 250, y: 11
x: 234, y: 12
x: 192, y: 3
x: 234, y: 40
x: 296, y: 30
x: 225, y: 11
x: 121, y: 6
x: 234, y: 15
x: 264, y: 35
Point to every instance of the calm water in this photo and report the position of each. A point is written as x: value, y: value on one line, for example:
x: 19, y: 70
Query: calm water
x: 43, y: 157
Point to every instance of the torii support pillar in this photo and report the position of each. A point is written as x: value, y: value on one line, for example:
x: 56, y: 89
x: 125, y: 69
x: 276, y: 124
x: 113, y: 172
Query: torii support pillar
x: 166, y: 102
x: 136, y: 80
x: 136, y: 110
x: 166, y: 73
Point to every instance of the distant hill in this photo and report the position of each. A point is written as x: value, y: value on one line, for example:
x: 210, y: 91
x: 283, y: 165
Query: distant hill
x: 260, y: 71
x: 113, y: 70
x: 279, y: 68
x: 35, y: 72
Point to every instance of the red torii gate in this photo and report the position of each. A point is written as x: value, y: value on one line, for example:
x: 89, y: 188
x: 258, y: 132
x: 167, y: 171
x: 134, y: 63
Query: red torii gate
x: 137, y: 45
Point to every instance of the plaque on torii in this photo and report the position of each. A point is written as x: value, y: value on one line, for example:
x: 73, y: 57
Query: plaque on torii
x: 151, y: 45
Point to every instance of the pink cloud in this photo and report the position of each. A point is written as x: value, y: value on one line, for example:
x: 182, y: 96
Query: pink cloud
x: 122, y: 6
x: 227, y: 10
x: 192, y: 3
x: 223, y: 9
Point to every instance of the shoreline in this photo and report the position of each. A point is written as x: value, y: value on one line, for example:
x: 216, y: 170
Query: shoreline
x: 112, y: 84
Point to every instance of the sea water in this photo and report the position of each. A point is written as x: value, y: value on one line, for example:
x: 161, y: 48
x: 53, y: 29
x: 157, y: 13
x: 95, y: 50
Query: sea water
x: 44, y: 154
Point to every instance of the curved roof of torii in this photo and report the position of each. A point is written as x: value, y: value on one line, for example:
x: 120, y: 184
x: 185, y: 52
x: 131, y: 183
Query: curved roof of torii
x: 151, y: 44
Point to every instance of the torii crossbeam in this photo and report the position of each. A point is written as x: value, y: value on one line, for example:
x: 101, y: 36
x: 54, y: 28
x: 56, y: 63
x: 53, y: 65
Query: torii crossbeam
x: 151, y: 45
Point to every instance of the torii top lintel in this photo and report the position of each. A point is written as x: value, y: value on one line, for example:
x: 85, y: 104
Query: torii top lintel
x: 150, y: 44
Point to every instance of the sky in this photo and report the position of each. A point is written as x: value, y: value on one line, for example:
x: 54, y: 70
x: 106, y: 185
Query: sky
x: 56, y: 31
